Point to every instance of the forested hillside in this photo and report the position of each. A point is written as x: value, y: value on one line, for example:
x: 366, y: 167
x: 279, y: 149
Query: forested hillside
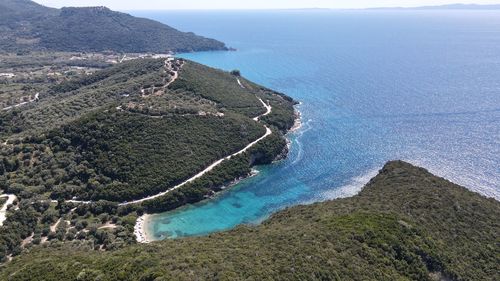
x: 124, y: 133
x: 405, y: 225
x: 119, y: 134
x: 25, y: 25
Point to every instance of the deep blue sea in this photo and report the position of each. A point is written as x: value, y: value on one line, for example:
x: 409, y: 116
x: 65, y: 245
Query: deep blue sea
x: 374, y: 85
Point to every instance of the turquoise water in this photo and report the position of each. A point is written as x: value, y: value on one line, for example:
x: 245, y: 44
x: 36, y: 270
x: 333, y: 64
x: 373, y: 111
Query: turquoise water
x: 375, y: 86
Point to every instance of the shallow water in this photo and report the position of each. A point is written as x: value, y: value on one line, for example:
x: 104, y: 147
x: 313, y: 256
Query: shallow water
x: 375, y: 86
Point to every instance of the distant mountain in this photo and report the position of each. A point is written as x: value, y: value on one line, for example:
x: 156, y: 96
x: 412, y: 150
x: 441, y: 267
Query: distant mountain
x: 447, y: 7
x: 26, y: 25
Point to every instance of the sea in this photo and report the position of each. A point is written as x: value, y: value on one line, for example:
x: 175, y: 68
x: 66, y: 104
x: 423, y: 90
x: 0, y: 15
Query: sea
x: 374, y: 86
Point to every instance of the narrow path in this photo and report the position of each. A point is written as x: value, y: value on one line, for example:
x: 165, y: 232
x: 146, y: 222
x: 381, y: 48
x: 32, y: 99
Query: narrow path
x: 168, y: 68
x: 78, y: 201
x: 176, y: 75
x: 3, y: 212
x: 108, y: 225
x: 30, y: 100
x: 53, y: 227
x: 27, y: 240
x: 268, y: 108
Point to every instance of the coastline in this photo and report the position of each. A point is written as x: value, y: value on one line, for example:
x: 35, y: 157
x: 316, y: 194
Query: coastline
x: 298, y: 121
x: 252, y: 174
x: 296, y: 127
x: 140, y: 228
x: 140, y: 232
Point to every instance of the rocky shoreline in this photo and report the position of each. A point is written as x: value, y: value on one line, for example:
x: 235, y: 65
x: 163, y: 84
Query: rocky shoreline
x: 298, y: 122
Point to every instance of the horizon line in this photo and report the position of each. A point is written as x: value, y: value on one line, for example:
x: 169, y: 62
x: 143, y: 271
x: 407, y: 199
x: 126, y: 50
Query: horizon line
x: 477, y: 7
x: 451, y: 6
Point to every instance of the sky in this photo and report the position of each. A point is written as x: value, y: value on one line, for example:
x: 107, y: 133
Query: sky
x: 250, y: 4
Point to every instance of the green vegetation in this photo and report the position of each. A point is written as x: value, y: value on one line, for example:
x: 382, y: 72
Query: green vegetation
x: 98, y: 226
x: 125, y: 156
x: 218, y: 86
x: 405, y: 225
x: 72, y: 99
x: 25, y: 25
x: 225, y: 91
x: 100, y: 136
x: 122, y: 133
x: 23, y: 76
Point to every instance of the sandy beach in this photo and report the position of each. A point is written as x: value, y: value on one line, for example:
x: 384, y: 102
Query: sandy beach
x: 140, y: 232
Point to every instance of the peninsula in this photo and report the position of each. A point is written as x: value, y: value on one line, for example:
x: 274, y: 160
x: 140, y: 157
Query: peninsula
x: 27, y: 26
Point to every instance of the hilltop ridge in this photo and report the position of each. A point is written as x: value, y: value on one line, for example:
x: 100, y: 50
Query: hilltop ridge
x: 26, y: 25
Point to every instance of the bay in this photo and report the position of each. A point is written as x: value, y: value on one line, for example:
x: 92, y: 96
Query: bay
x: 421, y: 86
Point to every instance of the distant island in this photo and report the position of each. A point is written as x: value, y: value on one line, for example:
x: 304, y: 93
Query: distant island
x: 445, y: 7
x: 26, y: 25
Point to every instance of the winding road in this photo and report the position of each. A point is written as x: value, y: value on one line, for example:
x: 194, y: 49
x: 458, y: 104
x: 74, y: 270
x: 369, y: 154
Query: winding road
x: 268, y: 107
x: 168, y: 68
x: 138, y: 228
x: 209, y: 168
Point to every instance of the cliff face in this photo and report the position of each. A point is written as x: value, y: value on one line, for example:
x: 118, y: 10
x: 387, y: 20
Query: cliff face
x: 27, y: 25
x: 406, y: 224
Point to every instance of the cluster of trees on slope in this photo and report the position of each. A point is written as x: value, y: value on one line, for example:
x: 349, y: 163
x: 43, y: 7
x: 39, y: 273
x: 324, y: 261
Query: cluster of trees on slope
x: 12, y: 12
x: 27, y: 25
x: 405, y: 225
x: 199, y: 88
x: 78, y: 226
x: 218, y: 86
x: 237, y: 167
x: 135, y: 156
x: 70, y: 100
x: 120, y: 73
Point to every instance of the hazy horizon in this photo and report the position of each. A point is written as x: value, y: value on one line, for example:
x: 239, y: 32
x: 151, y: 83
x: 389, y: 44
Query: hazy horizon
x: 255, y: 5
